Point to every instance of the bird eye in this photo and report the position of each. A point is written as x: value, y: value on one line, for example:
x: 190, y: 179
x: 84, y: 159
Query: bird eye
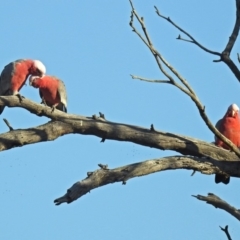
x: 38, y: 72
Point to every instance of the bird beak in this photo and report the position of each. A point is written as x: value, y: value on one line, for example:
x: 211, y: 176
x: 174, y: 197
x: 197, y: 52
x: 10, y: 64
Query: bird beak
x: 233, y: 113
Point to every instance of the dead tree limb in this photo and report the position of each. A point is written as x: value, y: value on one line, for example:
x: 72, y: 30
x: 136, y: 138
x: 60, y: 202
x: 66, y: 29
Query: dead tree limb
x: 184, y: 86
x: 103, y: 177
x: 64, y: 123
x: 217, y: 202
x: 225, y: 55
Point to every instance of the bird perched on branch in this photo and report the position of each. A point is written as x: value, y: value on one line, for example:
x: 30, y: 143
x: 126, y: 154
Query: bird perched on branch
x: 52, y: 91
x: 229, y: 126
x: 15, y: 74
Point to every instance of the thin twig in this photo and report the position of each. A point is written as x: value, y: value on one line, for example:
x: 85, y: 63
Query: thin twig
x: 224, y: 56
x: 149, y: 80
x: 183, y: 39
x: 226, y: 231
x: 194, y: 41
x: 156, y: 54
x: 8, y: 124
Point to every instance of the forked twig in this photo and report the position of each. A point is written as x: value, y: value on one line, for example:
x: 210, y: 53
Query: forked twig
x: 226, y: 231
x: 193, y: 40
x: 217, y: 202
x: 225, y: 54
x: 150, y: 80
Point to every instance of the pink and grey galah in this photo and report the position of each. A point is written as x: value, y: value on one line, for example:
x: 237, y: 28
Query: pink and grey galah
x: 15, y: 74
x: 52, y: 91
x: 229, y: 126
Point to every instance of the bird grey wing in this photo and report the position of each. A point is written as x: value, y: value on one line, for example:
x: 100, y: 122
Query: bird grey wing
x: 40, y: 94
x: 44, y: 102
x: 62, y: 93
x: 61, y: 107
x: 5, y: 78
x: 218, y: 126
x: 19, y: 61
x: 220, y: 177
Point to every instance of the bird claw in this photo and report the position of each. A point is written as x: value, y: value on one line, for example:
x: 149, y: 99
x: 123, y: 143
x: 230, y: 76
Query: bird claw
x: 20, y: 97
x: 53, y: 108
x: 44, y: 102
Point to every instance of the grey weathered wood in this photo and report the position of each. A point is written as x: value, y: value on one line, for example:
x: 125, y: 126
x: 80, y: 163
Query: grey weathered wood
x: 217, y: 202
x: 103, y: 177
x: 68, y: 123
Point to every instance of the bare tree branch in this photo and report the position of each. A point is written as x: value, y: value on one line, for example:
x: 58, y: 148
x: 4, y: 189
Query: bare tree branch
x: 238, y: 57
x: 234, y: 35
x: 102, y: 128
x: 193, y: 40
x: 187, y: 88
x: 225, y: 55
x: 157, y: 55
x: 105, y: 176
x: 8, y: 124
x: 183, y: 39
x: 217, y: 202
x: 149, y: 80
x: 226, y: 232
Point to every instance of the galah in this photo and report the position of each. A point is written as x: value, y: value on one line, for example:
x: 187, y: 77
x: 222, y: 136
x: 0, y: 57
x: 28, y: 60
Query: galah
x: 52, y: 91
x: 15, y: 74
x: 229, y: 126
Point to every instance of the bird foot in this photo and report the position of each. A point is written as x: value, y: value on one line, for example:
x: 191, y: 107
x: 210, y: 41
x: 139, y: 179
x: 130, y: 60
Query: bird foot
x: 53, y: 108
x: 44, y: 102
x: 20, y: 97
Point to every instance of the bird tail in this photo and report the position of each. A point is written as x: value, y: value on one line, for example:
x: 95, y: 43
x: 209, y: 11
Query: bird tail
x: 1, y: 109
x: 62, y: 107
x: 222, y: 178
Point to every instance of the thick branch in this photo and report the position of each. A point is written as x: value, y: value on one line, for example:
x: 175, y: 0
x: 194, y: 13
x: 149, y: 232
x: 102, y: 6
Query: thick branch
x: 46, y: 132
x: 219, y: 203
x: 69, y: 123
x: 103, y: 177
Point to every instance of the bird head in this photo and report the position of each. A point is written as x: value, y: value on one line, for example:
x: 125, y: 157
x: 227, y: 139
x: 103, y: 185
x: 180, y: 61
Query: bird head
x: 32, y: 80
x: 38, y: 68
x: 233, y: 110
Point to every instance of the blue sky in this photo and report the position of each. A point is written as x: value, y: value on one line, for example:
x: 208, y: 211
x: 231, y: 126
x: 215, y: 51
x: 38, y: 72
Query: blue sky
x: 90, y: 46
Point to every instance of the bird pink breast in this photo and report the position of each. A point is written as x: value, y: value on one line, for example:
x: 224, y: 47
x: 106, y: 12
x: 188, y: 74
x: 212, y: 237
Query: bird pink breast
x: 230, y: 128
x: 20, y: 74
x: 49, y: 89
